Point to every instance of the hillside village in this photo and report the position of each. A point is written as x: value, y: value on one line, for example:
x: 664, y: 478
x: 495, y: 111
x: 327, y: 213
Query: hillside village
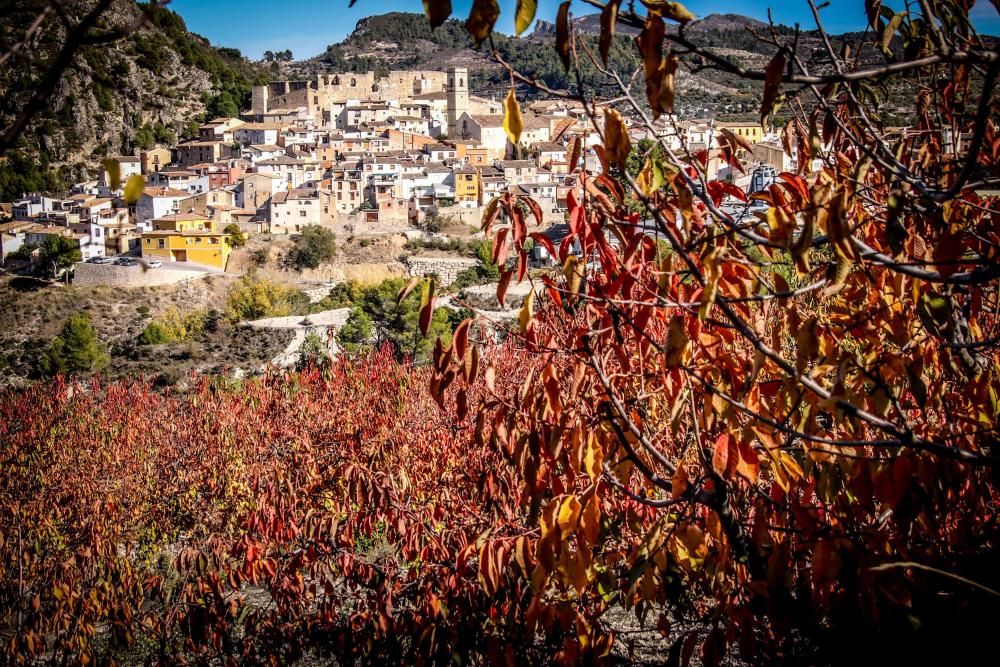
x: 397, y: 168
x: 356, y: 153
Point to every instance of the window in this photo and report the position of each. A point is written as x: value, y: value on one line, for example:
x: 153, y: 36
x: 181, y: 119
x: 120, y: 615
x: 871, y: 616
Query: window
x: 302, y: 214
x: 147, y: 241
x: 160, y: 243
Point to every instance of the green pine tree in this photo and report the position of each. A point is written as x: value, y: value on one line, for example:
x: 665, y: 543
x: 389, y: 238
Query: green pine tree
x: 77, y: 349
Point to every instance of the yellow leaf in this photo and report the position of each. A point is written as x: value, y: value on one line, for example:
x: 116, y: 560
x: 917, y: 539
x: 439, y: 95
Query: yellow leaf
x: 512, y: 123
x: 573, y: 270
x: 675, y: 352
x: 525, y: 15
x: 713, y: 271
x: 426, y: 307
x: 114, y: 173
x: 569, y: 515
x: 651, y: 177
x: 481, y: 19
x: 437, y: 11
x: 617, y: 144
x: 590, y: 520
x: 527, y: 312
x: 133, y: 188
x: 593, y: 459
x: 674, y: 11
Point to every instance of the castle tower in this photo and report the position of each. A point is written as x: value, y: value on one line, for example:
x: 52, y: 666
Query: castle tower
x: 259, y: 99
x: 458, y: 97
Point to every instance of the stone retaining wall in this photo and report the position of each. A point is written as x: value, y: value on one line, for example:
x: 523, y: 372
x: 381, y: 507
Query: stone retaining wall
x: 130, y: 276
x: 446, y: 268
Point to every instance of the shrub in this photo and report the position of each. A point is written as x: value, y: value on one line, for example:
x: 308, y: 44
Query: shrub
x: 236, y: 238
x: 153, y: 334
x: 484, y: 272
x: 314, y: 246
x: 432, y: 222
x: 173, y: 326
x: 252, y: 298
x: 357, y: 333
x: 312, y: 352
x: 258, y: 257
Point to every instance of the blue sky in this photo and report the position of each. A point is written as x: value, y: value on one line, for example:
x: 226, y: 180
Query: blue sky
x: 307, y: 26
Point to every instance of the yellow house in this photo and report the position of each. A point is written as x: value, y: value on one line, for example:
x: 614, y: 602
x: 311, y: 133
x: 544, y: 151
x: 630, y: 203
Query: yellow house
x: 749, y: 130
x: 467, y: 185
x: 186, y: 237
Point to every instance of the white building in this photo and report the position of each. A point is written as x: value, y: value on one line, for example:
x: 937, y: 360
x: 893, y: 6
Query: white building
x: 487, y: 130
x: 156, y: 203
x: 295, y: 172
x: 294, y: 209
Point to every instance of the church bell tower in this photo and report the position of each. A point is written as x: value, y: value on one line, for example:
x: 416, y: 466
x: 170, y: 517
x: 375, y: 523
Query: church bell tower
x: 458, y: 98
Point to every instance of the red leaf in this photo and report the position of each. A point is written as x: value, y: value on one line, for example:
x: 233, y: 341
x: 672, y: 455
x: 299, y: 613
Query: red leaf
x: 461, y: 338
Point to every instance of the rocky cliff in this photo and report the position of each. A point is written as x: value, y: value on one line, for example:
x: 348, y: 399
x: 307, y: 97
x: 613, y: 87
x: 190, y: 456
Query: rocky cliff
x: 145, y: 89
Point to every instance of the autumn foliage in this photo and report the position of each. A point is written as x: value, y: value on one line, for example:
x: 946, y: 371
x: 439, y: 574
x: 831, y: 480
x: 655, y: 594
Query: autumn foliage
x: 778, y: 424
x: 768, y: 434
x: 333, y: 513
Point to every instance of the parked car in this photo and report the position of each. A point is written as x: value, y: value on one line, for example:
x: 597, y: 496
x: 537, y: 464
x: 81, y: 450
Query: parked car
x: 155, y: 264
x: 126, y: 261
x: 102, y: 260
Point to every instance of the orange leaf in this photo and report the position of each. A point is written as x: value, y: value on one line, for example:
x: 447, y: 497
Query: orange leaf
x: 405, y: 292
x: 749, y: 462
x: 460, y: 339
x: 562, y: 33
x: 609, y: 16
x: 725, y: 456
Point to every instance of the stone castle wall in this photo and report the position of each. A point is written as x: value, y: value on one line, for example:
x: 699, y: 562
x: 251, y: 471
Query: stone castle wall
x: 328, y: 89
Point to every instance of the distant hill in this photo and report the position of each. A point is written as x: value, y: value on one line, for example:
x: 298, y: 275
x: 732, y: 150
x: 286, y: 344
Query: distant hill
x: 145, y: 89
x: 400, y: 40
x: 590, y: 24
